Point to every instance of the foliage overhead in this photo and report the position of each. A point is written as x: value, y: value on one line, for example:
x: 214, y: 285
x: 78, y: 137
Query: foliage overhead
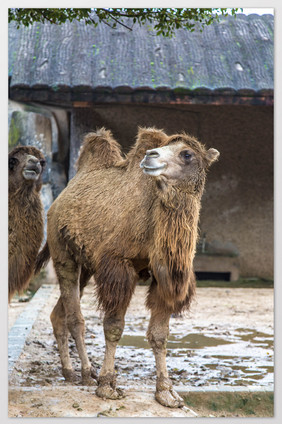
x: 163, y: 21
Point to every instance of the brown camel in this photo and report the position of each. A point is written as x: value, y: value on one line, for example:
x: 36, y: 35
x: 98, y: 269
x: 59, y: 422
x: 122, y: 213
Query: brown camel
x: 117, y: 219
x: 26, y: 165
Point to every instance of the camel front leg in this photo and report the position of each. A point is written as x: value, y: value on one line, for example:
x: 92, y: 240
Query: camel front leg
x: 157, y: 334
x: 113, y: 328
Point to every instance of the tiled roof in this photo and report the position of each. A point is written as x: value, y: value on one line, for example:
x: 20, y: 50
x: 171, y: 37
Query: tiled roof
x: 74, y: 62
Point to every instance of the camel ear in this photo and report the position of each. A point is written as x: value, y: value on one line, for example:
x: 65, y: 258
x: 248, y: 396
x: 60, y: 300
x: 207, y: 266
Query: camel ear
x: 211, y: 156
x: 13, y: 163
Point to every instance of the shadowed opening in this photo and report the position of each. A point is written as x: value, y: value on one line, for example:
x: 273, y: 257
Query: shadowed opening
x: 222, y: 276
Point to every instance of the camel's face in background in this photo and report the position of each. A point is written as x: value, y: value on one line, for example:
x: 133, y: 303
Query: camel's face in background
x: 176, y: 161
x: 23, y: 165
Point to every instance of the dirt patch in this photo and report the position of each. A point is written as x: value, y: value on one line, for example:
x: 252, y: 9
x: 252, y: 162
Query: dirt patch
x: 223, y: 340
x: 70, y: 401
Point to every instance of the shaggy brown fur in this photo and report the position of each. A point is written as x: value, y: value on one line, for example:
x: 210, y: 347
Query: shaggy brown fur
x: 25, y: 214
x: 117, y: 223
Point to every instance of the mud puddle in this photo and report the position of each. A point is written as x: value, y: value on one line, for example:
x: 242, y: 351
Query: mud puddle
x: 201, y: 351
x: 239, y: 357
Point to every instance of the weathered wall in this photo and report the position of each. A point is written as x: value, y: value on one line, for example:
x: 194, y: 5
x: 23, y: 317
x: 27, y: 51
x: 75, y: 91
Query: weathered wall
x: 237, y: 205
x: 40, y: 127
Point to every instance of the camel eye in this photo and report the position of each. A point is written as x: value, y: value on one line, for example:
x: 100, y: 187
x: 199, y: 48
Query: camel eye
x: 12, y: 163
x: 186, y: 154
x: 43, y: 163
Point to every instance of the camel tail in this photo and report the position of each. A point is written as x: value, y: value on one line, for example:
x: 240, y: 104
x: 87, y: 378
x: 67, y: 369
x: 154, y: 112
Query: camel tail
x: 42, y: 259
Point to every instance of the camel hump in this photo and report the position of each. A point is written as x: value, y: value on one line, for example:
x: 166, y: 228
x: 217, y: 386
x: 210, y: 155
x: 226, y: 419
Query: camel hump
x: 147, y: 138
x: 99, y: 150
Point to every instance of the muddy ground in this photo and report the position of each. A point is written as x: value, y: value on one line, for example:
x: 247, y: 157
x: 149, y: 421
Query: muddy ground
x: 225, y: 339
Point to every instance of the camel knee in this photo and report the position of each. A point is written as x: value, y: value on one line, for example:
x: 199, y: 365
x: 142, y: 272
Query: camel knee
x: 113, y: 334
x: 76, y: 324
x: 158, y: 332
x: 58, y: 319
x: 58, y: 323
x: 113, y: 329
x: 157, y: 342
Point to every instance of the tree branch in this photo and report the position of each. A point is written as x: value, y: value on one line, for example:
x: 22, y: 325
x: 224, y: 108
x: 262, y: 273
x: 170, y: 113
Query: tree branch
x: 116, y: 20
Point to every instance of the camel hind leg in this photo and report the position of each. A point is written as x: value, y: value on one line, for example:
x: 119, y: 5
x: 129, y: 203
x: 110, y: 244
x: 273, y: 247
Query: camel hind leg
x: 66, y: 316
x: 60, y: 329
x: 114, y: 289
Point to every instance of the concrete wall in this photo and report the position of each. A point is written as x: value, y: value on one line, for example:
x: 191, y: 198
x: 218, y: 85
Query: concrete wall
x: 237, y: 206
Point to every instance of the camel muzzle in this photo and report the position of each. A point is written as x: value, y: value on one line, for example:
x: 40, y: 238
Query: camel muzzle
x: 32, y: 169
x: 150, y: 164
x: 151, y: 167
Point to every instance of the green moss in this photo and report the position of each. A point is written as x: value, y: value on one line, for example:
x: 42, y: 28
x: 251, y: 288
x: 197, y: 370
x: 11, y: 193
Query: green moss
x: 14, y: 134
x: 181, y: 90
x: 153, y: 72
x: 244, y: 404
x: 190, y: 71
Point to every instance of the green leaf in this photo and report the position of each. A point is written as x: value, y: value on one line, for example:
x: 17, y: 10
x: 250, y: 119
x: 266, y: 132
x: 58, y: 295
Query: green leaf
x: 163, y: 21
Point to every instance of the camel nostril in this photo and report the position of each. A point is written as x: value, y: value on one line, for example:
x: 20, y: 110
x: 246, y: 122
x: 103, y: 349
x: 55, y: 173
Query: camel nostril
x: 152, y: 154
x: 32, y: 165
x: 33, y: 161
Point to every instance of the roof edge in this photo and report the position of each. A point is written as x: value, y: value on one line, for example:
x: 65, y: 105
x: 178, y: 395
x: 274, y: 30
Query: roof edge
x: 147, y: 95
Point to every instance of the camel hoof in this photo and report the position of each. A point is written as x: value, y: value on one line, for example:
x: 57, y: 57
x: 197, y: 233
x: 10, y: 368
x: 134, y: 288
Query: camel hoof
x: 107, y: 387
x: 89, y: 377
x: 93, y: 373
x: 69, y: 375
x: 169, y: 398
x: 166, y: 395
x: 107, y: 392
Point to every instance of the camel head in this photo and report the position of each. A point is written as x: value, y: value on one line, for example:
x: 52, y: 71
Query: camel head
x: 26, y: 164
x: 182, y: 159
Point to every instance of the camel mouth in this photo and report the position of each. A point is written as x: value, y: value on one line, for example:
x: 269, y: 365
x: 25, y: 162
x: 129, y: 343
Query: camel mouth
x: 151, y: 169
x: 31, y: 173
x: 154, y: 171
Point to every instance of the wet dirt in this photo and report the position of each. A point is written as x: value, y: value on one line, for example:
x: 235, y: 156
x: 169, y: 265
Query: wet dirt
x: 225, y: 339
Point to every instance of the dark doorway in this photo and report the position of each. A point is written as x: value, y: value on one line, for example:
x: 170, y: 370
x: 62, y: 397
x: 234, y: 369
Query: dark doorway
x: 222, y: 276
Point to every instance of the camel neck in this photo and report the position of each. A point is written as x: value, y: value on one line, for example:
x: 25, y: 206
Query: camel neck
x: 22, y: 190
x: 176, y: 230
x: 24, y: 199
